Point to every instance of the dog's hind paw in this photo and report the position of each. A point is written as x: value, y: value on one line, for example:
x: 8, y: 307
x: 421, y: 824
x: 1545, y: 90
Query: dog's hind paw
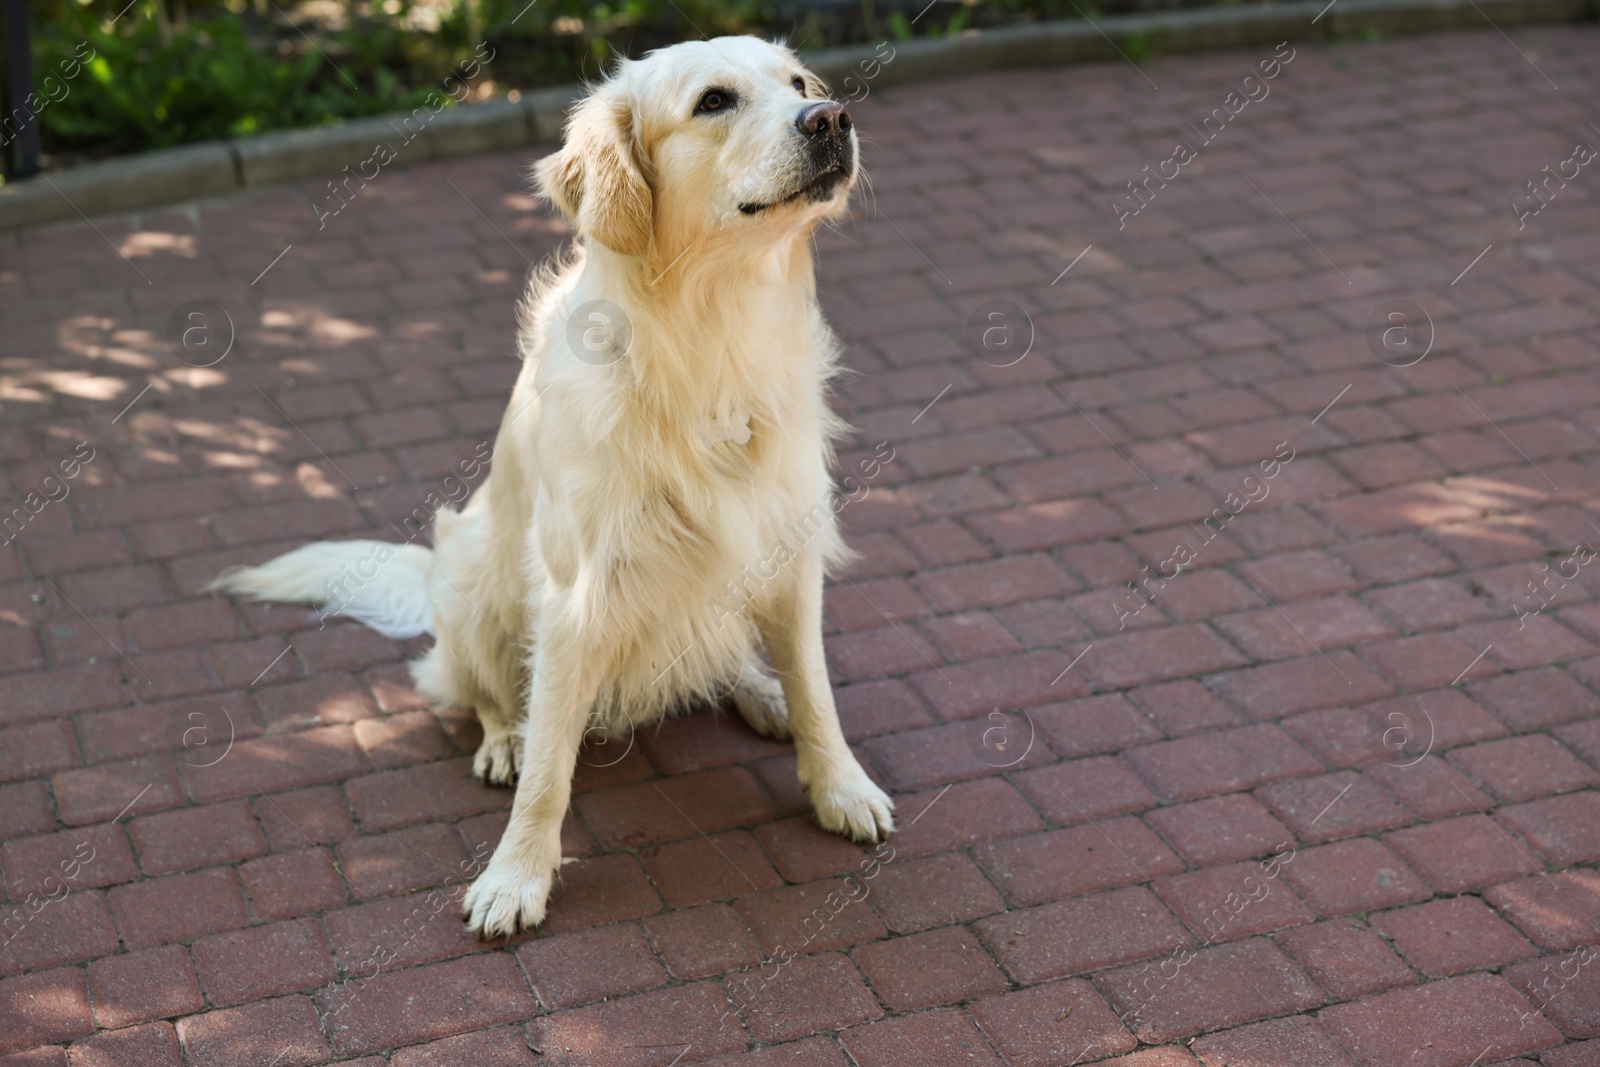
x: 505, y: 900
x: 856, y: 809
x: 759, y: 700
x: 499, y: 758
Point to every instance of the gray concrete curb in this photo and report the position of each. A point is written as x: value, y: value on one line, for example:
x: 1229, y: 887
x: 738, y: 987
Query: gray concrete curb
x: 1212, y: 29
x: 217, y: 168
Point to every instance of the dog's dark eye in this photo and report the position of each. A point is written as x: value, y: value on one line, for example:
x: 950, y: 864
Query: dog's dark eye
x: 714, y: 100
x: 799, y: 84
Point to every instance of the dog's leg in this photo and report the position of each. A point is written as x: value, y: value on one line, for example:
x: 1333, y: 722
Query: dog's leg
x: 511, y: 892
x: 847, y: 801
x: 443, y: 675
x: 478, y: 597
x: 498, y: 760
x: 759, y: 698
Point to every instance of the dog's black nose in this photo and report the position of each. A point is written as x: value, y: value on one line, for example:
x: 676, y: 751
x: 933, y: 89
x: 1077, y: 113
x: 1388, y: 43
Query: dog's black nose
x: 826, y: 119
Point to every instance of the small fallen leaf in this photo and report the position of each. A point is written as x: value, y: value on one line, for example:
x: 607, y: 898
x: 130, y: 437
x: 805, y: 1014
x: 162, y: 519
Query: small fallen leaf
x: 1066, y: 1011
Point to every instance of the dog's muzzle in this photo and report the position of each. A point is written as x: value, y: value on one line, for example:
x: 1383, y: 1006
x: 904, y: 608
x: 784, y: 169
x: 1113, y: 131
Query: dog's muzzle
x: 826, y: 127
x: 831, y: 151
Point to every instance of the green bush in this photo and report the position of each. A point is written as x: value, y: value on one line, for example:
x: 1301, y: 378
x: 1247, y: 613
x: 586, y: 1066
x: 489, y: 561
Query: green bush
x: 158, y: 73
x: 154, y: 81
x: 145, y: 89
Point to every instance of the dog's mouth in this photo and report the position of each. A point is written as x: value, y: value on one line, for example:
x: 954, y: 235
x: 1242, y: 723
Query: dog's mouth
x: 819, y: 189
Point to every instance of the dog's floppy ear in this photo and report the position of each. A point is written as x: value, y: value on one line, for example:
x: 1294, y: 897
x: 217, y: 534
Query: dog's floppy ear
x: 595, y: 179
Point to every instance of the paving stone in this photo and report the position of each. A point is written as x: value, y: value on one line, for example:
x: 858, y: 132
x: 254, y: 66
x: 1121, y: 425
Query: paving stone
x: 197, y: 837
x: 1574, y: 1054
x: 939, y: 754
x: 830, y: 913
x: 804, y: 851
x: 1184, y: 707
x: 296, y: 883
x: 1445, y: 937
x: 1332, y: 806
x: 1530, y: 699
x: 25, y: 809
x: 933, y: 1037
x: 1466, y: 852
x: 703, y: 941
x: 1557, y: 911
x: 136, y: 987
x: 1562, y: 990
x: 401, y: 931
x: 83, y: 858
x: 305, y: 817
x: 1229, y: 902
x: 1346, y: 958
x: 1035, y: 1027
x: 572, y: 969
x: 1220, y: 829
x: 179, y: 906
x: 286, y: 1027
x: 715, y: 867
x: 915, y: 894
x: 274, y: 764
x: 1430, y: 787
x: 1448, y: 1023
x: 600, y: 889
x: 466, y: 994
x: 1225, y: 985
x: 1310, y: 682
x: 1165, y: 1056
x: 1083, y: 934
x: 806, y: 995
x: 1524, y: 768
x: 1297, y: 1039
x: 1353, y: 876
x: 968, y: 813
x: 1221, y: 762
x: 402, y: 861
x: 923, y: 970
x: 1563, y: 829
x: 706, y: 801
x: 504, y: 1046
x: 155, y: 1044
x: 45, y: 1006
x: 1083, y: 859
x: 263, y: 961
x: 810, y: 1052
x: 104, y: 791
x: 424, y: 793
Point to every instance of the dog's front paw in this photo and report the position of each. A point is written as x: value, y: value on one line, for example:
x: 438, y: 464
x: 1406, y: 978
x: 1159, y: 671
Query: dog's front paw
x: 506, y: 899
x: 855, y: 808
x: 499, y: 758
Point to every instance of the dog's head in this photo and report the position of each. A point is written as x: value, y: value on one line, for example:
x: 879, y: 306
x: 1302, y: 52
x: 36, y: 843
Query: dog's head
x: 706, y: 140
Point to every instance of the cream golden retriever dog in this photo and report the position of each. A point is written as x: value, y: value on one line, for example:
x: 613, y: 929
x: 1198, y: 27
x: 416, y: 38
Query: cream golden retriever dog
x: 659, y: 504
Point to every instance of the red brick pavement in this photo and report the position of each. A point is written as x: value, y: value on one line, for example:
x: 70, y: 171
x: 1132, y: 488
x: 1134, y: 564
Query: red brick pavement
x: 1322, y: 799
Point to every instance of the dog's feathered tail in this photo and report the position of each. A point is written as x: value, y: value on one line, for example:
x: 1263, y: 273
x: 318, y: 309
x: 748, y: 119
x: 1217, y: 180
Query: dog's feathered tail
x: 380, y: 584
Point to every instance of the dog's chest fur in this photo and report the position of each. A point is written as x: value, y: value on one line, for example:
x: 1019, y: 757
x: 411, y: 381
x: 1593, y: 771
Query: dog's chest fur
x: 677, y: 492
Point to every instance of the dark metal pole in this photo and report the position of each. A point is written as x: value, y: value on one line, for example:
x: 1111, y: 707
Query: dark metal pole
x: 20, y: 125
